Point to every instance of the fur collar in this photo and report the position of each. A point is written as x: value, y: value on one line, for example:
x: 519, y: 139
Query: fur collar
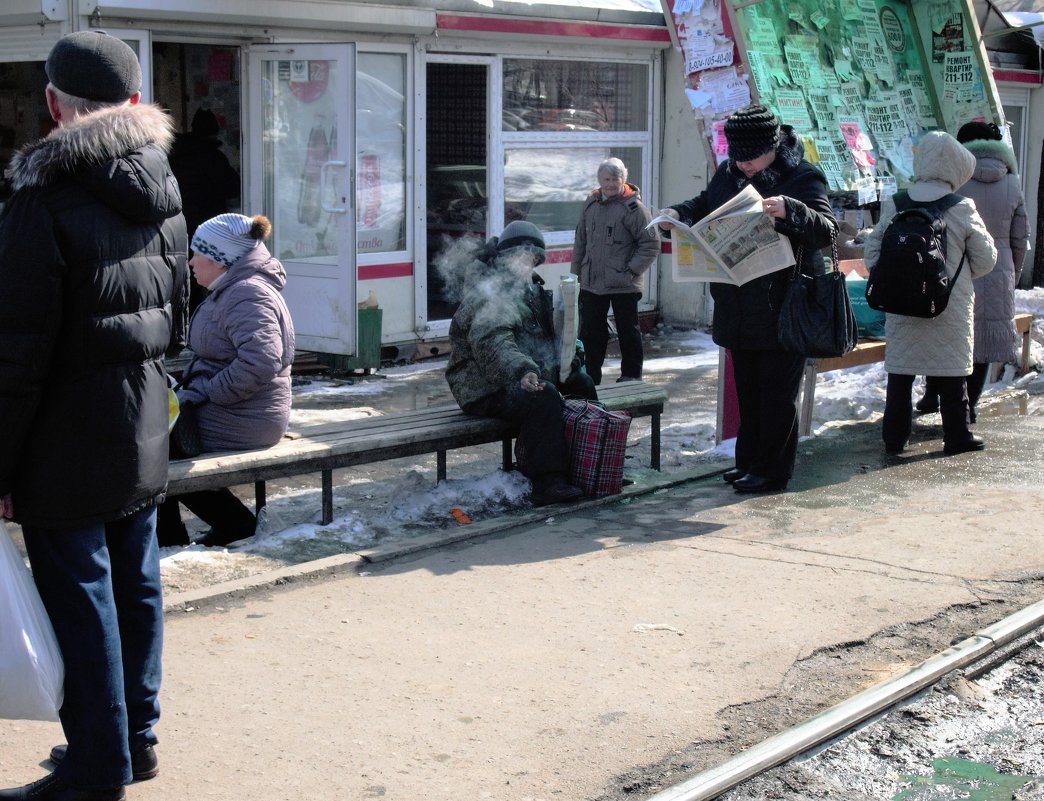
x: 994, y: 149
x: 90, y: 140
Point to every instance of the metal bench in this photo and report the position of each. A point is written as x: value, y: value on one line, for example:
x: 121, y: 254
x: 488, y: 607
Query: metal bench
x: 325, y: 448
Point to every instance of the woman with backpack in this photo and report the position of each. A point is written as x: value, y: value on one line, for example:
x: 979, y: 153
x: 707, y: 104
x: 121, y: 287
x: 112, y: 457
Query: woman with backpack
x: 941, y: 346
x: 997, y: 192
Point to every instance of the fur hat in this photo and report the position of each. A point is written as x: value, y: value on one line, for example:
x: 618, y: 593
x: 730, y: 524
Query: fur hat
x: 94, y: 66
x: 522, y: 234
x: 972, y: 131
x: 228, y: 237
x: 751, y: 132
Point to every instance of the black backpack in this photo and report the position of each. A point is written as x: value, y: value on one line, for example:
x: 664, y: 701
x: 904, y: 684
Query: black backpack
x: 910, y: 276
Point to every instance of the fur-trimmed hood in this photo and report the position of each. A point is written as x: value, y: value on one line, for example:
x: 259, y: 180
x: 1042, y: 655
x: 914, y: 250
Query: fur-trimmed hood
x: 996, y: 150
x: 92, y: 139
x: 117, y: 154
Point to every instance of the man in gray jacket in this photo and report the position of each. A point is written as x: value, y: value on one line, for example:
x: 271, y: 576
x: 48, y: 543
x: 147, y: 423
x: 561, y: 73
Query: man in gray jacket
x: 611, y: 253
x: 93, y: 253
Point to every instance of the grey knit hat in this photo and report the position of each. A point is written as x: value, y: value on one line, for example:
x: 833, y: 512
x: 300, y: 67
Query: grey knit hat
x: 751, y: 132
x: 228, y: 237
x: 94, y: 66
x: 522, y: 234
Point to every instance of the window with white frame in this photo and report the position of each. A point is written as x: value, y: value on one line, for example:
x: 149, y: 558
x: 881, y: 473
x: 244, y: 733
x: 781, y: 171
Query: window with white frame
x: 559, y: 120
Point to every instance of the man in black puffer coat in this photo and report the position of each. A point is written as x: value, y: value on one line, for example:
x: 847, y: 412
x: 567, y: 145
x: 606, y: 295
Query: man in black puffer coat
x: 93, y: 285
x: 746, y: 318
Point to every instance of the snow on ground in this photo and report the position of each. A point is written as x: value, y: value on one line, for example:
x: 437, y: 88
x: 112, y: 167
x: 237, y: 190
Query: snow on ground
x: 373, y: 509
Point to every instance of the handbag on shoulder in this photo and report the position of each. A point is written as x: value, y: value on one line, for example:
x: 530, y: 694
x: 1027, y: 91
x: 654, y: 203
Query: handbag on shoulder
x: 816, y: 319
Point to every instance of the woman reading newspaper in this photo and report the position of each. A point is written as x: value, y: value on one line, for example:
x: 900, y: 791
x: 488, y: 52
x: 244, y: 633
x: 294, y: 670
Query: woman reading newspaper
x: 770, y: 158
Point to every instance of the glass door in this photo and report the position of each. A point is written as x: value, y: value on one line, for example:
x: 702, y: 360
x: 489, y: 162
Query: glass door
x: 303, y: 177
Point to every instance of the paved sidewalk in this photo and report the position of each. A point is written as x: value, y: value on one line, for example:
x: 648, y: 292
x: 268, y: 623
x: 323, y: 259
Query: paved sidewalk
x: 547, y: 661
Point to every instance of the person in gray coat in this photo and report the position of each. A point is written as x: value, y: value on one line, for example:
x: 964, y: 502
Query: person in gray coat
x: 941, y: 346
x: 997, y: 192
x: 611, y: 252
x: 242, y: 338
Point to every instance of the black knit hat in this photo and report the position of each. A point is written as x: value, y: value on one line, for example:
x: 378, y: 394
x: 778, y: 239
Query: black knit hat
x: 520, y: 234
x: 94, y: 66
x: 971, y: 131
x: 751, y: 132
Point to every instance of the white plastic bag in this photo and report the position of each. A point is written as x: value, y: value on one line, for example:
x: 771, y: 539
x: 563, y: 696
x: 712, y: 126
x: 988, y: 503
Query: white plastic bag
x: 32, y: 673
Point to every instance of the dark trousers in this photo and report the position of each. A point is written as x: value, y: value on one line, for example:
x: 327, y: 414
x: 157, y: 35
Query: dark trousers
x: 101, y: 587
x: 767, y: 384
x: 228, y: 517
x: 976, y: 381
x: 594, y: 332
x: 541, y: 430
x: 898, y: 413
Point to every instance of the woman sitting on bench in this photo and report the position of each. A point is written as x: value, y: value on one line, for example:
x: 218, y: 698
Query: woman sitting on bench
x: 242, y: 339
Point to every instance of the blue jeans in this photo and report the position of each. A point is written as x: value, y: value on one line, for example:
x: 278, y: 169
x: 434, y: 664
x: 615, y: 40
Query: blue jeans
x: 101, y: 587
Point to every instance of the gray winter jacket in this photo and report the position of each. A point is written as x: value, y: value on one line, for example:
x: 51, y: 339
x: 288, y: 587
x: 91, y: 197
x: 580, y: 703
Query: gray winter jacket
x: 93, y: 275
x: 243, y: 340
x: 612, y: 248
x: 939, y: 346
x: 998, y: 197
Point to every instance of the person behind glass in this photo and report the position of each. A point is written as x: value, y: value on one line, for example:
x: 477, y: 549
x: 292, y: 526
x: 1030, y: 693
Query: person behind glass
x: 93, y: 251
x: 997, y: 192
x: 208, y: 181
x: 611, y: 252
x: 505, y: 356
x: 242, y: 339
x: 769, y: 157
x: 940, y: 347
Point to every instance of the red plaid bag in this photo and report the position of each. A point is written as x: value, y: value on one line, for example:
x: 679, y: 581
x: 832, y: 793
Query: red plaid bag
x: 597, y: 440
x: 595, y: 445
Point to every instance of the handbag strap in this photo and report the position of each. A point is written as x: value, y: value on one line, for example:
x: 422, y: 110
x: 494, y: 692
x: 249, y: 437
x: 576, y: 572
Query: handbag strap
x: 834, y: 265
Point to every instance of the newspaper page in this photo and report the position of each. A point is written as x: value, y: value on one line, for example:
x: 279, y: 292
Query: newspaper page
x: 567, y: 323
x: 734, y: 244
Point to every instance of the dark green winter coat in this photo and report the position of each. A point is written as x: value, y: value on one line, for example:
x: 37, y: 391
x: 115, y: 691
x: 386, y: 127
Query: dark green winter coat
x: 503, y: 329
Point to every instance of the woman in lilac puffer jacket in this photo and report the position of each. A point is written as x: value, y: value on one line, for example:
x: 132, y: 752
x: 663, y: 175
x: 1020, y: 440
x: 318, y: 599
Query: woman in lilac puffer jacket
x: 242, y: 338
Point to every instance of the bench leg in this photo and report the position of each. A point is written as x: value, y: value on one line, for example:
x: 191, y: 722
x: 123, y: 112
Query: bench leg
x: 440, y: 466
x: 654, y: 445
x: 260, y: 498
x: 808, y: 399
x: 327, y: 518
x: 505, y: 451
x: 1025, y: 360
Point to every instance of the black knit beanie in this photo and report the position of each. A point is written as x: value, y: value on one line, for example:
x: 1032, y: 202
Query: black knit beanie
x: 971, y: 131
x: 521, y: 233
x: 751, y: 132
x: 94, y: 66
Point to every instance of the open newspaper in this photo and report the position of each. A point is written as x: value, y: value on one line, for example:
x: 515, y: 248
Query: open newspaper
x: 734, y: 244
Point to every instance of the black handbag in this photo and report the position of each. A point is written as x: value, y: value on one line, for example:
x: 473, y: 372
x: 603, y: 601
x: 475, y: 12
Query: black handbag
x: 816, y: 319
x: 185, y: 442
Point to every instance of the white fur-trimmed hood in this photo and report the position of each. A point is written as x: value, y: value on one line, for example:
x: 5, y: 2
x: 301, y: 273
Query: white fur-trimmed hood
x: 90, y: 140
